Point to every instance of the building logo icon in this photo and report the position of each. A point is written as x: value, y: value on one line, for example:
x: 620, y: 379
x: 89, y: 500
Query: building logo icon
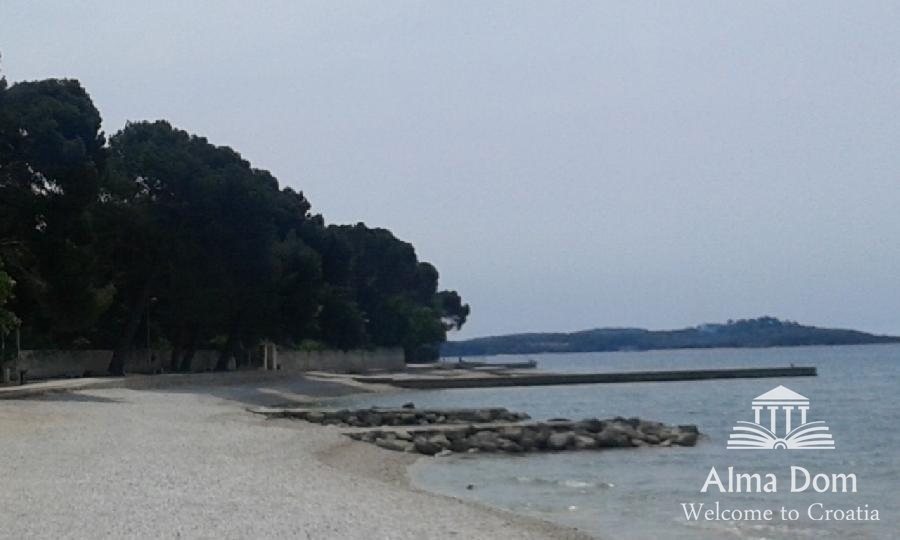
x: 805, y: 436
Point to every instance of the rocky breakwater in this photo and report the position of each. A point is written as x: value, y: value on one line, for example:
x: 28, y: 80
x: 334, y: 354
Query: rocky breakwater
x: 550, y: 436
x: 407, y: 415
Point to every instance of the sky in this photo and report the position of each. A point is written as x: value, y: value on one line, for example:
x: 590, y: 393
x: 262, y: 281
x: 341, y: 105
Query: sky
x: 565, y: 165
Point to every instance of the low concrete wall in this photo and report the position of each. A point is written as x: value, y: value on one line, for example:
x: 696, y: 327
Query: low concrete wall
x: 53, y: 363
x: 355, y: 361
x: 45, y: 364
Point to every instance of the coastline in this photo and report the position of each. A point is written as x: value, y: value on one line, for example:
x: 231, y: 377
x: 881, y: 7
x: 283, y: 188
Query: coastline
x: 189, y: 461
x: 393, y: 468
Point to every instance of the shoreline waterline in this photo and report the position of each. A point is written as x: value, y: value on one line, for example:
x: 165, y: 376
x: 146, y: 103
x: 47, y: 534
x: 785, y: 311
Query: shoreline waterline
x: 191, y: 461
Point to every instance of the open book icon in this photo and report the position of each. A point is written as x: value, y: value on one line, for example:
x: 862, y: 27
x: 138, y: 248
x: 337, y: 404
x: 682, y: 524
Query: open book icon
x: 809, y: 436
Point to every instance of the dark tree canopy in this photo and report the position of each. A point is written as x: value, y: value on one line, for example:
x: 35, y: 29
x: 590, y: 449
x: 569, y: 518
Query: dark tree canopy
x: 94, y: 236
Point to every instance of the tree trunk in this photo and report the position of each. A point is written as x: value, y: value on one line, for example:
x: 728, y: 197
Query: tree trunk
x: 175, y: 357
x: 189, y: 350
x: 231, y: 345
x: 126, y: 339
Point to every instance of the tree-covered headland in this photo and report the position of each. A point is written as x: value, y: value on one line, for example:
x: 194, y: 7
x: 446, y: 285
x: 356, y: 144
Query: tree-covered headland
x: 156, y: 232
x: 743, y: 333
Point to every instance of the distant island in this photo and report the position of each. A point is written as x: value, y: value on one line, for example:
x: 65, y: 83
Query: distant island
x: 760, y: 332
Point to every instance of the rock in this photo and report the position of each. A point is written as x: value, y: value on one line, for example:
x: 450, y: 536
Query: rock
x: 403, y: 435
x: 373, y: 419
x: 485, y: 446
x: 584, y: 443
x: 512, y: 433
x: 409, y: 405
x: 610, y: 438
x: 440, y: 441
x: 638, y: 442
x: 455, y: 434
x: 444, y: 453
x: 559, y: 441
x: 528, y: 441
x: 506, y: 445
x: 460, y: 445
x: 650, y: 428
x: 667, y: 442
x: 559, y: 420
x: 486, y: 435
x: 623, y: 428
x: 590, y: 425
x: 541, y: 436
x: 486, y: 441
x: 315, y: 416
x: 687, y: 438
x: 424, y: 446
x: 651, y: 439
x: 394, y: 444
x: 689, y: 429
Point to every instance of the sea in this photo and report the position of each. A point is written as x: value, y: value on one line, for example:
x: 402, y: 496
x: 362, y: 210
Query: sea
x: 643, y: 493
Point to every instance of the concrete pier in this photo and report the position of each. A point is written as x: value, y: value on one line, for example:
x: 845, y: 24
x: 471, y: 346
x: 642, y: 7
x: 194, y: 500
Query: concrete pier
x: 549, y: 379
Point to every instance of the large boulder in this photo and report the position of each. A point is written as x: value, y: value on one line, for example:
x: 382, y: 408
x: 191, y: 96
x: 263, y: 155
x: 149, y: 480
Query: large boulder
x: 583, y: 442
x: 512, y: 433
x: 394, y: 444
x: 590, y: 425
x: 560, y: 440
x: 611, y: 438
x: 686, y: 438
x: 460, y: 445
x: 506, y: 445
x: 372, y: 419
x: 440, y: 440
x: 425, y: 446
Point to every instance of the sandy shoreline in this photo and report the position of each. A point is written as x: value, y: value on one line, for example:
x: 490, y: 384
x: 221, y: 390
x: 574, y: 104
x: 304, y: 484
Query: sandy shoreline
x: 189, y: 461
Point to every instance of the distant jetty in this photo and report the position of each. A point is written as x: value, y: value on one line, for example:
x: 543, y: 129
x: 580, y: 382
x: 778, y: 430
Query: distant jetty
x: 551, y: 379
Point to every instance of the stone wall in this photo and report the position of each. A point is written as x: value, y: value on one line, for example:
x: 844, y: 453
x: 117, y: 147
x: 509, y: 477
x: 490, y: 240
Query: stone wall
x: 45, y: 364
x: 355, y: 361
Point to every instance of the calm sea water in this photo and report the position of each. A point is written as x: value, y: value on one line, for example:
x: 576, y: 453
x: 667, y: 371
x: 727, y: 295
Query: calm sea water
x: 638, y: 493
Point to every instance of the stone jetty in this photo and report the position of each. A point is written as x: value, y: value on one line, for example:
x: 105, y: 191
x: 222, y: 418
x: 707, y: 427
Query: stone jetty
x: 438, y: 380
x: 551, y: 436
x: 488, y: 430
x: 407, y: 415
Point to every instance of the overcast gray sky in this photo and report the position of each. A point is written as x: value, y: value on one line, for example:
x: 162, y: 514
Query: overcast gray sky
x: 565, y: 165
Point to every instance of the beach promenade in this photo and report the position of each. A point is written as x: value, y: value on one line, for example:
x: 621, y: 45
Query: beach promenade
x: 189, y: 461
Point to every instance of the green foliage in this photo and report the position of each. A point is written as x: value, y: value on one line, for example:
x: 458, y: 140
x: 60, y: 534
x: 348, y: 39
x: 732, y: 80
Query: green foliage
x: 160, y: 229
x: 51, y: 163
x: 8, y: 320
